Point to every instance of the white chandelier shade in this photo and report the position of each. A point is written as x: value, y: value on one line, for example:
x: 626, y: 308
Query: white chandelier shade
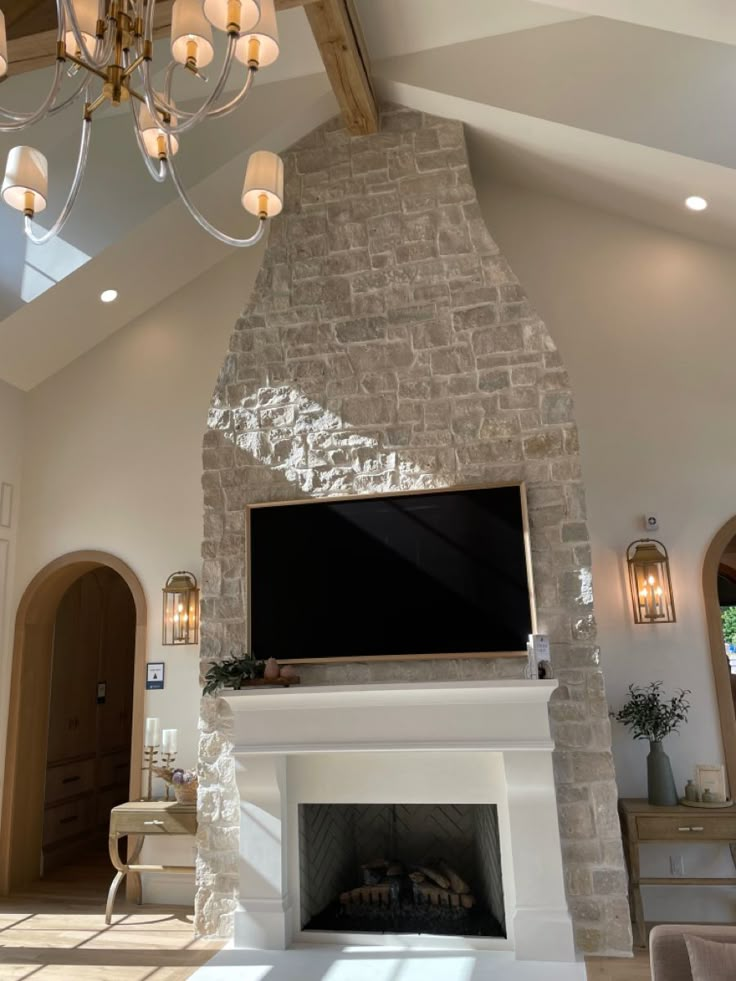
x: 265, y: 35
x: 114, y: 49
x: 224, y: 14
x: 88, y: 14
x: 153, y: 133
x: 263, y: 190
x: 191, y: 34
x: 26, y: 182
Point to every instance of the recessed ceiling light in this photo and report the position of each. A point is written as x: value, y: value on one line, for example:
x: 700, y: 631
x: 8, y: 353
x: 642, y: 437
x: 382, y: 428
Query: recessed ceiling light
x: 696, y: 203
x: 107, y: 296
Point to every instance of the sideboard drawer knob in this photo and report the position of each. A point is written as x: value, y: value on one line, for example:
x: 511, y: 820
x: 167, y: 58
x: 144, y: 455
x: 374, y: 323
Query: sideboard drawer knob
x: 154, y: 822
x: 698, y: 827
x: 684, y: 829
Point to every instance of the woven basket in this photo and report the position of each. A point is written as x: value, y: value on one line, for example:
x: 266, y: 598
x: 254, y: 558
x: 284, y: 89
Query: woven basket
x: 186, y: 793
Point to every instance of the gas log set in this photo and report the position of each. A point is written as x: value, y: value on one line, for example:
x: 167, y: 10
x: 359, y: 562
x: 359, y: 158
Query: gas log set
x: 429, y: 897
x: 392, y: 884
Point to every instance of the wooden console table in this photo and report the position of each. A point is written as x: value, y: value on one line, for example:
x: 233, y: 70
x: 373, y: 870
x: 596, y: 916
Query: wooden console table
x: 140, y: 818
x: 642, y: 822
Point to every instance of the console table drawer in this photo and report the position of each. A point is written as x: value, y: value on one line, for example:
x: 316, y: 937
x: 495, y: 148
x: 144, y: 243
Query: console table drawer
x: 715, y: 828
x: 169, y: 821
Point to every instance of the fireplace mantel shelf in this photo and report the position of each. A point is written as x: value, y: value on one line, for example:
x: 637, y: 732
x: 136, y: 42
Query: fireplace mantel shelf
x: 430, y: 693
x: 500, y: 716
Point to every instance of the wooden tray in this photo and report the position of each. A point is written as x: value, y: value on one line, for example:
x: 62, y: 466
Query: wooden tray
x: 265, y: 683
x: 709, y: 803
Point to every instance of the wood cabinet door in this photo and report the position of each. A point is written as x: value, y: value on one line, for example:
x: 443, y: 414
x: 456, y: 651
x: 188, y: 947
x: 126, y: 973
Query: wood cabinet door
x: 73, y: 707
x: 117, y: 654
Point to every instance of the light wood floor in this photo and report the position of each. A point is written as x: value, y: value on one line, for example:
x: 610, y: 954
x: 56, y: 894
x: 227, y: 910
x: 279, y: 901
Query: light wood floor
x: 618, y: 968
x: 55, y: 931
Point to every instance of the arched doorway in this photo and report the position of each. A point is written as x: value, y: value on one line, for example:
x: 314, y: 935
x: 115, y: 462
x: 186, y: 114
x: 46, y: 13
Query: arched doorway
x: 717, y: 575
x: 21, y: 834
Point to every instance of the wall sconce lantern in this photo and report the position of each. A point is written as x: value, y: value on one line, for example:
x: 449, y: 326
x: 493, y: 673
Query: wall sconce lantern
x: 181, y: 609
x: 650, y: 583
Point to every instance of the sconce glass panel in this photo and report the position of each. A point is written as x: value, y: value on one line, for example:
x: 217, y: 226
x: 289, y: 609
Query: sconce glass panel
x: 650, y: 583
x: 181, y: 609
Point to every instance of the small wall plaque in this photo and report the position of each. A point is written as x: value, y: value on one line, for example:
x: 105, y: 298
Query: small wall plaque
x: 154, y: 674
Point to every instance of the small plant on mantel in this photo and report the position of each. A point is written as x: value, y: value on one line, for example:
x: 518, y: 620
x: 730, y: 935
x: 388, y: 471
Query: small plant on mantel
x: 649, y: 714
x: 241, y: 670
x: 233, y: 672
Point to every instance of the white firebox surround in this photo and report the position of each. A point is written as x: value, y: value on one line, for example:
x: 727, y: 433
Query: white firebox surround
x: 485, y: 742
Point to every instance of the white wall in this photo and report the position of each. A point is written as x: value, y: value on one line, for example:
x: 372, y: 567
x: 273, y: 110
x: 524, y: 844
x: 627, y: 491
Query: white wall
x: 112, y: 461
x: 646, y: 324
x: 12, y: 401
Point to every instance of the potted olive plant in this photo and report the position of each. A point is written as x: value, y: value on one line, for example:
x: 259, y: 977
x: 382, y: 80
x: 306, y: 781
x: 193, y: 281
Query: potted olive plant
x: 649, y: 714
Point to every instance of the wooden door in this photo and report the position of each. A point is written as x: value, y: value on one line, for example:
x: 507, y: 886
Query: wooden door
x: 73, y: 707
x: 117, y: 652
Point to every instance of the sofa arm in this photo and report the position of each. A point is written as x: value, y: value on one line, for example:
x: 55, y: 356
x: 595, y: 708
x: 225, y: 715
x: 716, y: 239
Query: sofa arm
x: 668, y: 951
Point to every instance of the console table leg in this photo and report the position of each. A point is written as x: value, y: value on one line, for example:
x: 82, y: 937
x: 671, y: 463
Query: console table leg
x: 135, y: 877
x: 119, y: 876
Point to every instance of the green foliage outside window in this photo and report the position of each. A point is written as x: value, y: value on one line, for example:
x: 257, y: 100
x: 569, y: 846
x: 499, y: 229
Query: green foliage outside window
x: 728, y: 620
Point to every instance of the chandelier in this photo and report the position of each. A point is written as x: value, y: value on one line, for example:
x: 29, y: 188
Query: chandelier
x: 113, y: 53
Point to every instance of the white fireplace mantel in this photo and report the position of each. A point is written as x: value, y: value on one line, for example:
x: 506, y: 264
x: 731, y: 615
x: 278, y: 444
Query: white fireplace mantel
x: 459, y: 742
x: 484, y: 715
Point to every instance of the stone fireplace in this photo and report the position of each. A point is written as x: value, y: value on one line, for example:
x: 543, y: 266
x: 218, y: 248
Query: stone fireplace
x: 388, y: 346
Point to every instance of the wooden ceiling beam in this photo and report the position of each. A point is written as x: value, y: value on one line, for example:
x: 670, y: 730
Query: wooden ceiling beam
x: 336, y: 30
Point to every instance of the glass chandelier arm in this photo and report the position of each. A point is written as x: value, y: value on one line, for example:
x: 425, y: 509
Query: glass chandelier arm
x: 81, y: 89
x: 221, y: 111
x: 76, y: 184
x: 19, y: 120
x: 156, y: 105
x: 239, y: 243
x: 233, y: 104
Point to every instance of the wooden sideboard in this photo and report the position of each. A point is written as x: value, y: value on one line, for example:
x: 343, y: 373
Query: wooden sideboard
x: 642, y: 822
x: 138, y: 819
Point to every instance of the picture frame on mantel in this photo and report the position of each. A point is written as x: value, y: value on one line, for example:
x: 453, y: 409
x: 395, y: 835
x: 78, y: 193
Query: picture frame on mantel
x: 363, y: 657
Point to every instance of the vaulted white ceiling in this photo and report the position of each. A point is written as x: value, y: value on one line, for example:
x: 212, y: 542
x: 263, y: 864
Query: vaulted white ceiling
x: 623, y: 104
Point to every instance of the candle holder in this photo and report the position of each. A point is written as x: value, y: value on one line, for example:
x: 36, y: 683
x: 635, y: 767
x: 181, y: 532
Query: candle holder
x: 167, y: 759
x: 150, y: 755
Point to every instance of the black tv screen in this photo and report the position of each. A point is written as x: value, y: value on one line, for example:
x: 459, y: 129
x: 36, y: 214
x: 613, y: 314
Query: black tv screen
x: 407, y: 574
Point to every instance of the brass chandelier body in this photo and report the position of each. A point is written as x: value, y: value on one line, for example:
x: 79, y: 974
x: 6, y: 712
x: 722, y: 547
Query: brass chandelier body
x: 114, y: 52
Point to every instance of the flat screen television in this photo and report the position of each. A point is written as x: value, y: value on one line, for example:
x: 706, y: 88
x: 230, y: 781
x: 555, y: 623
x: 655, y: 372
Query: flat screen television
x: 402, y: 575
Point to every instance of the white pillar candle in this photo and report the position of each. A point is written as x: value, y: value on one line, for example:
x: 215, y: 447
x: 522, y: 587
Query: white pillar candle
x: 168, y: 740
x: 153, y: 732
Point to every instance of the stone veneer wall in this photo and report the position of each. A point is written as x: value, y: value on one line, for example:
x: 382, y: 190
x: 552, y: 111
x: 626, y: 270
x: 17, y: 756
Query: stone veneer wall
x: 387, y: 346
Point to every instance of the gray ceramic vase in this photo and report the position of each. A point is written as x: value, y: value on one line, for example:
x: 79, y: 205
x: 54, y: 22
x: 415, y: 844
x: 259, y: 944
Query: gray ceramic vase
x: 660, y: 782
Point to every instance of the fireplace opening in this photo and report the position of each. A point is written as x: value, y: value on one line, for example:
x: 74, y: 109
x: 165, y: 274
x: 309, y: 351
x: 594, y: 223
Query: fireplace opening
x: 401, y: 868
